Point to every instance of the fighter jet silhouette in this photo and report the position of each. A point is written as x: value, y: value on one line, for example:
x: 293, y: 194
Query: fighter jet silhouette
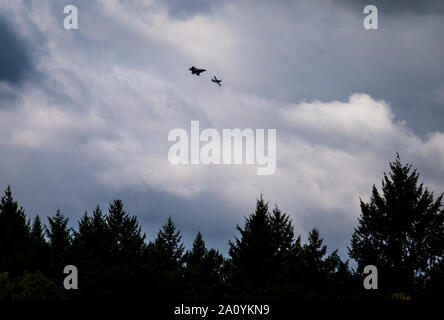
x: 216, y: 80
x: 196, y: 71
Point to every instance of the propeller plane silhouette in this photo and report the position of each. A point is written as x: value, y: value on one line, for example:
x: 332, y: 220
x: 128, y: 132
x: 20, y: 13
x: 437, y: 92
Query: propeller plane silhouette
x: 216, y: 80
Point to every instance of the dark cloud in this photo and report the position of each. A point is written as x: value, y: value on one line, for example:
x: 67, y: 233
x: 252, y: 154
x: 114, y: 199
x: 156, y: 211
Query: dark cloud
x: 15, y: 58
x: 400, y: 7
x: 320, y: 50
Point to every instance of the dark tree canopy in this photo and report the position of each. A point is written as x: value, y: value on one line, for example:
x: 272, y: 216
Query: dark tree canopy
x: 126, y: 234
x: 14, y: 235
x: 198, y: 252
x: 268, y: 260
x: 401, y: 230
x: 93, y: 243
x: 252, y: 254
x: 59, y: 235
x: 39, y: 248
x: 203, y: 266
x: 168, y: 248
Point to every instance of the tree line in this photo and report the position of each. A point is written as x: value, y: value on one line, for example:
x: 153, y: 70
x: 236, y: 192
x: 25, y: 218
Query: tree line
x: 400, y: 231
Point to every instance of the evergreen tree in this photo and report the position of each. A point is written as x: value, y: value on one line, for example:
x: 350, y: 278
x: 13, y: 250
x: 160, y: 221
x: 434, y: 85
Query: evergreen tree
x: 165, y: 263
x: 400, y: 231
x: 14, y: 235
x: 314, y: 251
x: 252, y: 253
x: 283, y: 232
x: 284, y: 246
x: 213, y: 264
x: 341, y: 283
x: 203, y: 266
x: 316, y: 275
x: 264, y: 255
x: 197, y: 254
x: 39, y: 248
x: 37, y: 232
x: 59, y: 241
x: 101, y: 238
x: 125, y: 232
x: 84, y: 226
x: 168, y: 248
x: 314, y: 279
x: 93, y: 243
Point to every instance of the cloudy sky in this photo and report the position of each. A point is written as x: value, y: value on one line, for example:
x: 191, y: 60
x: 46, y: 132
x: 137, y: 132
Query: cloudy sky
x: 85, y: 114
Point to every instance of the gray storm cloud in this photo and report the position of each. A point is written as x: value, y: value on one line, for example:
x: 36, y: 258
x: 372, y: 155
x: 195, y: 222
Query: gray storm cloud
x: 15, y: 60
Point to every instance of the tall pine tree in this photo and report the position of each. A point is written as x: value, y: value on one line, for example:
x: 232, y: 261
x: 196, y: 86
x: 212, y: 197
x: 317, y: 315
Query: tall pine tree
x: 126, y: 235
x: 168, y: 248
x: 39, y: 248
x: 264, y: 246
x: 400, y: 231
x: 14, y: 235
x: 92, y: 243
x: 203, y: 266
x: 59, y: 235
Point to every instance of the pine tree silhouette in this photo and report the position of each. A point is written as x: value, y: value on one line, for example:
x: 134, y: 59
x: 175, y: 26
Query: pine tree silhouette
x: 165, y: 263
x: 203, y: 266
x: 14, y: 235
x: 198, y: 252
x: 314, y: 251
x: 263, y: 257
x: 59, y: 235
x: 400, y: 231
x: 126, y: 234
x: 252, y: 253
x: 168, y: 248
x: 92, y: 244
x: 39, y: 248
